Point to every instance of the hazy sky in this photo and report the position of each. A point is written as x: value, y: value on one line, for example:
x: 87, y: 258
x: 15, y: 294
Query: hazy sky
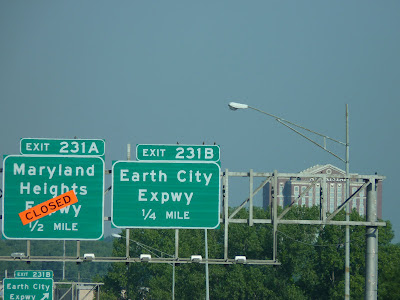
x: 164, y: 71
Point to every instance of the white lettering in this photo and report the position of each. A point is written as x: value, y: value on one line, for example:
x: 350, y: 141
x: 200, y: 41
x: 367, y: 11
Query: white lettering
x: 207, y: 178
x: 93, y: 147
x: 27, y: 188
x: 51, y: 172
x: 208, y: 153
x: 19, y: 170
x: 142, y: 193
x: 182, y: 176
x: 65, y: 227
x: 122, y: 175
x: 164, y: 197
x: 29, y: 204
x: 176, y: 197
x: 76, y: 209
x: 178, y: 175
x: 188, y: 197
x: 154, y: 196
x: 177, y: 215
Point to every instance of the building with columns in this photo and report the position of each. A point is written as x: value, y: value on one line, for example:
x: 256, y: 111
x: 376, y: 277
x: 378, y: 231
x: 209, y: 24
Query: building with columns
x: 289, y: 189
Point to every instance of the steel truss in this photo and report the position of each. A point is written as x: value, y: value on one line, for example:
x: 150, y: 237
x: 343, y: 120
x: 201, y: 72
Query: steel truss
x: 369, y: 182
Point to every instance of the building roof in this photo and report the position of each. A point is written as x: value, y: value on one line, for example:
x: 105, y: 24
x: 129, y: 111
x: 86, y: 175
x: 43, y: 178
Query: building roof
x: 323, y: 169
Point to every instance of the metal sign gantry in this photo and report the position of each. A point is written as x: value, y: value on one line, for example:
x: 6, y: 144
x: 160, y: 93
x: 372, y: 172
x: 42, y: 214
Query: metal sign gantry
x: 367, y: 184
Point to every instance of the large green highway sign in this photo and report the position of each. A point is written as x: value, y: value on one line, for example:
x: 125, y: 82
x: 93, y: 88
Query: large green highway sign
x: 178, y: 152
x: 81, y: 147
x: 165, y: 194
x: 31, y: 180
x: 28, y: 289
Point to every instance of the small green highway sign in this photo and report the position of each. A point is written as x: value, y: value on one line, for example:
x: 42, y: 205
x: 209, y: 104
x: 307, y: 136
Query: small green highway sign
x: 157, y: 194
x: 33, y: 274
x: 29, y: 180
x: 84, y: 147
x: 27, y: 288
x: 178, y: 152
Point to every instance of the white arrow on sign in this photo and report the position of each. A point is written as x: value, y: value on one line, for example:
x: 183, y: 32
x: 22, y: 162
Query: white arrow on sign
x: 46, y: 296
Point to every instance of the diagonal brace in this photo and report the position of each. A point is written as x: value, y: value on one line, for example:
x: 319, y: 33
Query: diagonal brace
x: 345, y: 202
x: 247, y: 200
x: 303, y: 193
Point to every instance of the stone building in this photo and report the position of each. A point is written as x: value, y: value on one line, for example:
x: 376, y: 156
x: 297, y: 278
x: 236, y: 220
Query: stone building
x: 290, y: 188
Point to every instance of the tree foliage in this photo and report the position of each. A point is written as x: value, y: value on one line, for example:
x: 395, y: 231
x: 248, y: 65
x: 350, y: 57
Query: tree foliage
x: 73, y: 272
x: 312, y: 262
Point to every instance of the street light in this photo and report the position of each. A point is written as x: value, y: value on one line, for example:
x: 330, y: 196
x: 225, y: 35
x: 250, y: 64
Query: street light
x: 294, y: 127
x: 235, y: 106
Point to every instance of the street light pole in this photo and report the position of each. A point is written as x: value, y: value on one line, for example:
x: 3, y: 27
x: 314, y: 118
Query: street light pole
x: 295, y: 127
x: 347, y: 193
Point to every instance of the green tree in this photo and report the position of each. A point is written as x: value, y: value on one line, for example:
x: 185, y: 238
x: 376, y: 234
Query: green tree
x: 312, y: 262
x: 84, y: 271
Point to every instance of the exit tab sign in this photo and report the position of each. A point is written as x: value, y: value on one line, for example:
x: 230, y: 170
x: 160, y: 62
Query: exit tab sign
x: 81, y: 147
x: 33, y: 274
x: 178, y: 152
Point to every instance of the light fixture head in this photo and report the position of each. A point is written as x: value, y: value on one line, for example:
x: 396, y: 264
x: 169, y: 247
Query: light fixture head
x: 88, y: 256
x: 18, y: 255
x: 235, y: 105
x: 145, y: 257
x: 196, y: 258
x: 240, y: 259
x: 116, y: 235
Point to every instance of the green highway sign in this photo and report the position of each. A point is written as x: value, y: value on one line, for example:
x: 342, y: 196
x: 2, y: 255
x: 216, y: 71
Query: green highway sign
x: 178, y: 152
x: 27, y: 289
x: 165, y: 194
x: 84, y: 147
x: 33, y: 274
x: 31, y: 180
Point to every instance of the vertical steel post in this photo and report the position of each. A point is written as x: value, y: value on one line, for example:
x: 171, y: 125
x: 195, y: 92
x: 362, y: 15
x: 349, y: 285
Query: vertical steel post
x: 28, y: 248
x: 173, y: 280
x: 207, y: 274
x: 251, y: 177
x: 78, y: 249
x: 173, y: 265
x: 127, y: 235
x: 324, y: 198
x: 274, y: 194
x: 371, y: 254
x: 347, y: 193
x: 226, y: 215
x: 64, y: 263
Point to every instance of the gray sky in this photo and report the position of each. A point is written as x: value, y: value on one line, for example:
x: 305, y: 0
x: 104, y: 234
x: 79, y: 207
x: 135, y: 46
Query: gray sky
x: 164, y: 71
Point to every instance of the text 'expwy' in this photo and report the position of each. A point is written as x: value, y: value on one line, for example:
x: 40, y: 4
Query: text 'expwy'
x: 48, y: 207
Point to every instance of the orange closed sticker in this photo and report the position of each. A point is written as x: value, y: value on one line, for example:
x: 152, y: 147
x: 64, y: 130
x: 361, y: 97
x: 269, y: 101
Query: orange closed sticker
x: 48, y: 207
